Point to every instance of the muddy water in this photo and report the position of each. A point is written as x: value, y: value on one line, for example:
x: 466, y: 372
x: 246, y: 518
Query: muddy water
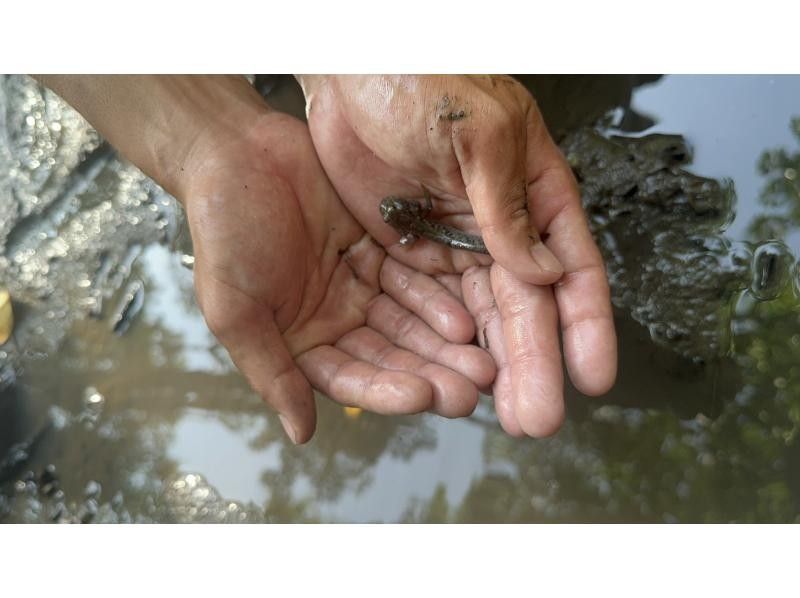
x: 116, y: 404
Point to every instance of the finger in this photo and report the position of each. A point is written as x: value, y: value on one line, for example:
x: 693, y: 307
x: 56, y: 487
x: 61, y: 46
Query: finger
x: 480, y: 302
x: 453, y: 394
x: 428, y: 299
x: 452, y: 282
x: 492, y: 158
x: 529, y: 318
x: 404, y: 329
x: 582, y: 294
x: 356, y: 383
x: 269, y: 368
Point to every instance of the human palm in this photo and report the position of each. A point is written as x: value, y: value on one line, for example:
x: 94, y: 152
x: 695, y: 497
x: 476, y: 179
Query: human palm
x: 380, y: 136
x: 293, y: 286
x: 481, y: 147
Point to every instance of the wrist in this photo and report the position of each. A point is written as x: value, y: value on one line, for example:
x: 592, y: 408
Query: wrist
x: 210, y: 113
x: 165, y: 125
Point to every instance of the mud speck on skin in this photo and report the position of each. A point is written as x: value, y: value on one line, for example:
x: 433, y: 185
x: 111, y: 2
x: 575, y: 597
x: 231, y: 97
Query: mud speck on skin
x: 455, y: 115
x: 446, y: 110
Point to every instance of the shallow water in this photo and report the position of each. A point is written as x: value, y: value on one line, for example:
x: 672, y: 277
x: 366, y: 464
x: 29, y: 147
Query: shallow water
x: 116, y: 403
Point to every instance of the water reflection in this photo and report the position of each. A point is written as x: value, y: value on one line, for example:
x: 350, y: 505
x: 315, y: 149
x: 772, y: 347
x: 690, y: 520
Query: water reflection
x: 629, y: 464
x: 780, y: 195
x: 155, y: 424
x: 626, y: 464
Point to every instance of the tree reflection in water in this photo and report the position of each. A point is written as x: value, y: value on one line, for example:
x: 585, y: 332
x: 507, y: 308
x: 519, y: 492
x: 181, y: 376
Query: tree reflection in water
x: 617, y: 463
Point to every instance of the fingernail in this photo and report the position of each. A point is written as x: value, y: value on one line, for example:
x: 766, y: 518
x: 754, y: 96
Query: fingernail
x: 545, y: 258
x: 287, y: 427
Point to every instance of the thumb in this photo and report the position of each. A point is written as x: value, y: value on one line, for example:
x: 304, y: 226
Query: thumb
x: 260, y: 353
x: 492, y: 158
x: 272, y: 372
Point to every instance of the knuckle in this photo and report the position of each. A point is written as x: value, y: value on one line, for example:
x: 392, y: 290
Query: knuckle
x: 405, y: 324
x: 433, y: 299
x: 383, y: 357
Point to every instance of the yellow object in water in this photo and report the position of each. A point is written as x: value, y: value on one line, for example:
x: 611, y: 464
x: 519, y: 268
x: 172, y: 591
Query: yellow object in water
x: 352, y: 412
x: 6, y: 316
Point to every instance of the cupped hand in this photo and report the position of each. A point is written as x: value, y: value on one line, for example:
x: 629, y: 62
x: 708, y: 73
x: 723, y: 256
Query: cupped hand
x: 291, y: 285
x: 479, y: 144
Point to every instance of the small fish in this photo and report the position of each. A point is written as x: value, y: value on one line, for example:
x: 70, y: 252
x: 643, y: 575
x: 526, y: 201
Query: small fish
x: 409, y: 218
